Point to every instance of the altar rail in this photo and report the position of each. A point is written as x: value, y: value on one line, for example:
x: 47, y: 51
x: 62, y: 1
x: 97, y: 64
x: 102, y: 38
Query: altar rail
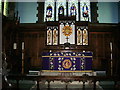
x: 65, y: 79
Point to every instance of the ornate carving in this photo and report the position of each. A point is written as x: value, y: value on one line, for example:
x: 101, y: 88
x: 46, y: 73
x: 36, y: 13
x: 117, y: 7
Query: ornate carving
x: 67, y: 30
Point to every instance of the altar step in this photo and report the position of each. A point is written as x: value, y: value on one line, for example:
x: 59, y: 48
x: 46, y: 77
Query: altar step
x: 67, y: 73
x: 60, y: 73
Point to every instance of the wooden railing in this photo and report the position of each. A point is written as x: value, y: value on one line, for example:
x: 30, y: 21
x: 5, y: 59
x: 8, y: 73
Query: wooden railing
x: 65, y: 79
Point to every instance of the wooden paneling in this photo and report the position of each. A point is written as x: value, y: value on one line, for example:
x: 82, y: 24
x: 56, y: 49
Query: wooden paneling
x: 99, y: 44
x: 34, y: 37
x: 34, y: 44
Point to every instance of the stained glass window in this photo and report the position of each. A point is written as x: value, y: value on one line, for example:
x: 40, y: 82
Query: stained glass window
x: 79, y: 37
x: 55, y: 37
x: 85, y: 10
x: 52, y: 35
x: 49, y: 10
x: 82, y: 35
x: 85, y: 37
x: 49, y: 37
x: 73, y: 8
x: 60, y: 8
x: 67, y: 32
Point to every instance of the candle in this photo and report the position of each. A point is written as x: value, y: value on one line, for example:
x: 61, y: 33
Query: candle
x: 111, y: 46
x: 15, y: 46
x: 22, y: 45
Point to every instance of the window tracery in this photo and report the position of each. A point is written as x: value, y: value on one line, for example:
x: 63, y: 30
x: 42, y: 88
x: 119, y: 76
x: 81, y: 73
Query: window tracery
x: 60, y: 8
x: 49, y: 10
x: 74, y: 9
x: 82, y: 35
x: 85, y: 10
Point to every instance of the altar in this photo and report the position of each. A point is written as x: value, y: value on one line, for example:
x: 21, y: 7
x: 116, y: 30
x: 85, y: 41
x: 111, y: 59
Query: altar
x: 67, y: 61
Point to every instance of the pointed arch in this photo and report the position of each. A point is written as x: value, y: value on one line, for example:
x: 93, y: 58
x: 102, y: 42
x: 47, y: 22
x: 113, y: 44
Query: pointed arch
x: 85, y: 10
x: 49, y: 10
x: 61, y: 10
x: 49, y: 37
x: 73, y: 11
x: 55, y: 37
x: 73, y: 8
x: 79, y: 37
x: 85, y: 37
x: 60, y: 6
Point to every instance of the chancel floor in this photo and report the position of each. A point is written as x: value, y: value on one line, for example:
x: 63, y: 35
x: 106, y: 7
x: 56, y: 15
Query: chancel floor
x: 58, y: 85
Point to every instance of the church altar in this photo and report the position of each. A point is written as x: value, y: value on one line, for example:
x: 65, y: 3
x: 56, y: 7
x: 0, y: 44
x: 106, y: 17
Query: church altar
x: 67, y: 61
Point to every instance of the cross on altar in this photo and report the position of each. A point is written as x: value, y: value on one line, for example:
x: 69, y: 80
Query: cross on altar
x: 67, y: 39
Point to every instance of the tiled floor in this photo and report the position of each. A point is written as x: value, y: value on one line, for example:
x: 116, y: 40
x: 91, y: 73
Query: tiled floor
x: 58, y: 85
